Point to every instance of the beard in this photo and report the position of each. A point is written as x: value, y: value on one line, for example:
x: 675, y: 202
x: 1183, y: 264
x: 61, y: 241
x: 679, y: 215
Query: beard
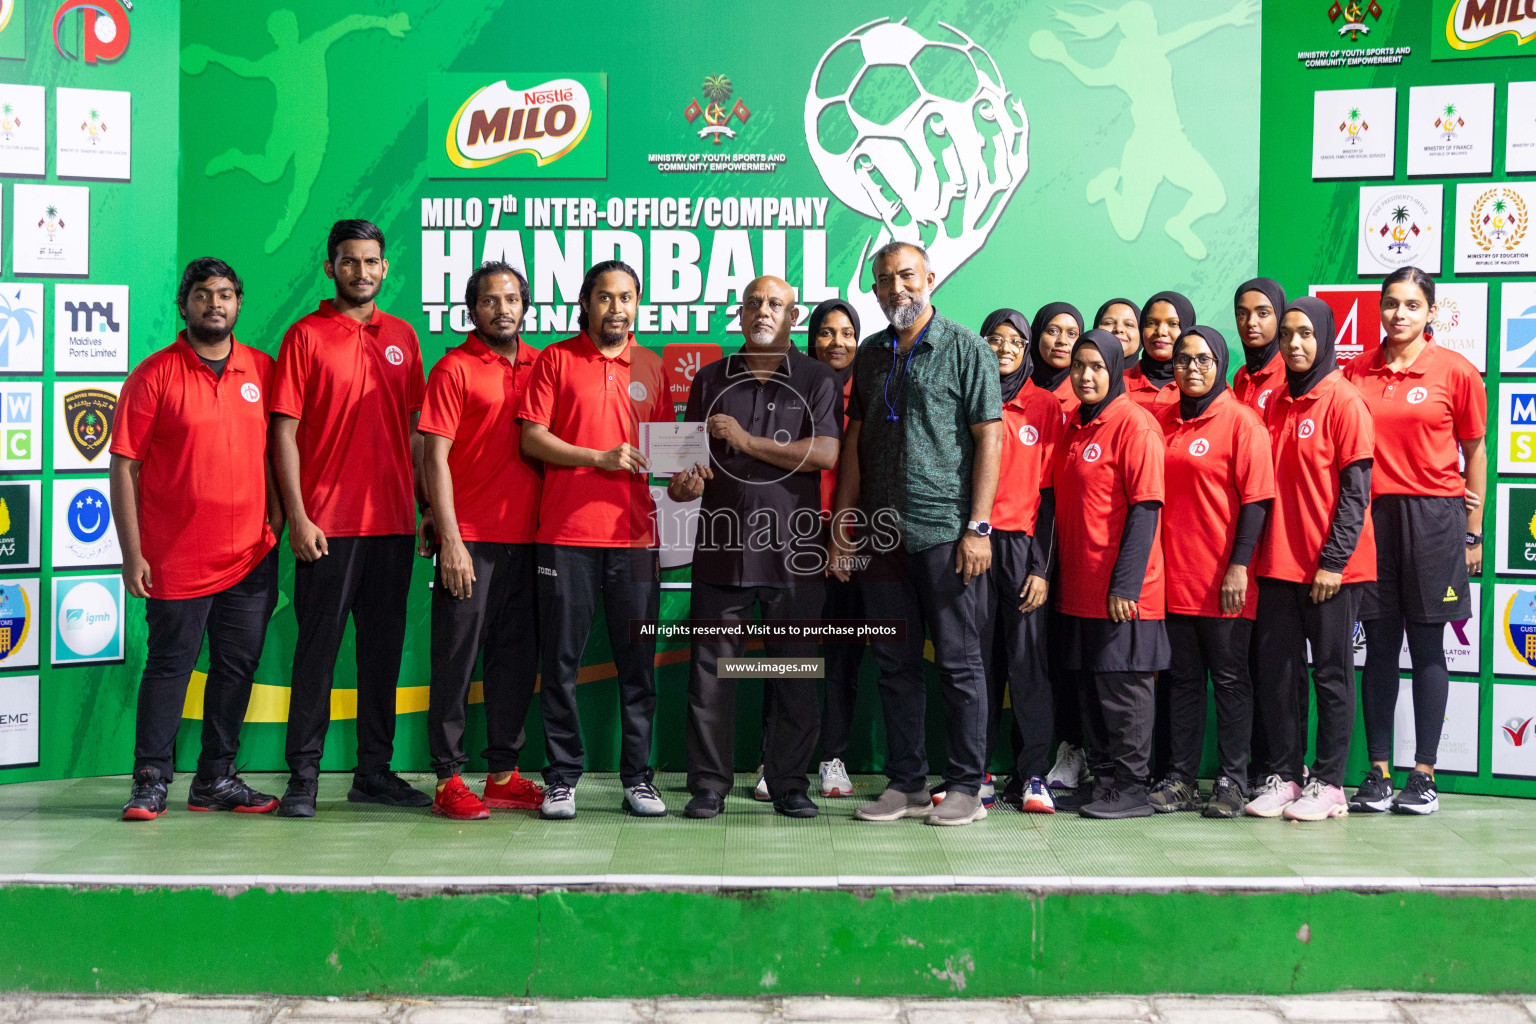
x: 763, y: 336
x: 211, y: 335
x: 904, y: 314
x: 610, y: 335
x: 494, y: 334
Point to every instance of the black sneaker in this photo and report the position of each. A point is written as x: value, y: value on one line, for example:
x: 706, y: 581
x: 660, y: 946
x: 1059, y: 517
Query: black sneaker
x: 1013, y: 793
x: 1227, y: 800
x: 1128, y: 801
x: 386, y: 788
x: 1076, y: 799
x: 228, y: 793
x: 299, y: 799
x: 147, y: 802
x: 1419, y: 795
x: 706, y: 803
x: 1374, y: 794
x: 1177, y: 792
x: 796, y: 805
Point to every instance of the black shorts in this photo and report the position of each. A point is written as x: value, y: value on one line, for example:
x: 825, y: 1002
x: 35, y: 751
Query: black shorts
x: 1421, y: 560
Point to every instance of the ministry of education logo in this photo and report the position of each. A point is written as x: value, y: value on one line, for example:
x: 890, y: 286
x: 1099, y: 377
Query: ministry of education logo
x: 717, y: 91
x: 88, y: 415
x: 1498, y: 220
x: 1354, y: 17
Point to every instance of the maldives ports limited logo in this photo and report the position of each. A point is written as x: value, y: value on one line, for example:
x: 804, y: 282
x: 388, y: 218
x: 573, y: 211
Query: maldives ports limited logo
x: 518, y: 126
x: 103, y: 26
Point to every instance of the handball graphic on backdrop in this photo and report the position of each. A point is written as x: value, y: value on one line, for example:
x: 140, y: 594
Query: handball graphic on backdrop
x: 1039, y: 153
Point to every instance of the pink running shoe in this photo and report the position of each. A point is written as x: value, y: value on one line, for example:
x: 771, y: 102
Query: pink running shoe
x: 1319, y: 801
x: 1273, y: 798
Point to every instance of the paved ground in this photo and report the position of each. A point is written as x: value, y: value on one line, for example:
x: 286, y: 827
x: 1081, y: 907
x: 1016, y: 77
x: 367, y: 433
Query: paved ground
x: 1347, y: 1008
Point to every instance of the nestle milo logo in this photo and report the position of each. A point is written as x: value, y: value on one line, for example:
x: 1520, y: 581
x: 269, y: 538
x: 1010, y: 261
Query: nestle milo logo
x: 517, y: 126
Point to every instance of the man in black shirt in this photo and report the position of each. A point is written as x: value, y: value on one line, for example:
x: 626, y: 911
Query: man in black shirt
x: 773, y: 415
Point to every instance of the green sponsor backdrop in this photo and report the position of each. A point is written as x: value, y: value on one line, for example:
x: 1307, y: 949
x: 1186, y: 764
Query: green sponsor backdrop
x: 1041, y: 155
x: 86, y: 713
x: 1307, y: 233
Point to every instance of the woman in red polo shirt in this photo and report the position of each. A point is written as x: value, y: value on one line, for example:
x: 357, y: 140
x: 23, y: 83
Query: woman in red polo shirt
x: 1107, y: 483
x: 1431, y: 409
x: 1257, y: 307
x: 1021, y: 554
x: 1150, y: 382
x: 833, y: 337
x: 1055, y: 329
x: 1220, y: 484
x: 1122, y: 318
x: 1318, y: 553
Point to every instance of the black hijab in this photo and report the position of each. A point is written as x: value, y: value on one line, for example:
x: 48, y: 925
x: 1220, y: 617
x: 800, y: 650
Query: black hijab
x: 1044, y: 374
x: 1114, y: 361
x: 1135, y: 313
x: 1321, y: 316
x: 1191, y: 408
x: 1258, y: 358
x: 817, y: 316
x: 1161, y: 373
x: 1013, y: 318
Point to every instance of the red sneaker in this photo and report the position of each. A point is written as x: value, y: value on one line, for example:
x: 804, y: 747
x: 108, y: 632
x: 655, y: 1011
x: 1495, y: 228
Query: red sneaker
x: 456, y: 801
x: 516, y: 794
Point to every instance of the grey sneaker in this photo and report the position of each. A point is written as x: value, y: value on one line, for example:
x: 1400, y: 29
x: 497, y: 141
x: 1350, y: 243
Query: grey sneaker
x: 559, y: 803
x: 894, y: 804
x: 1175, y: 793
x: 643, y: 801
x: 957, y: 809
x: 1071, y: 768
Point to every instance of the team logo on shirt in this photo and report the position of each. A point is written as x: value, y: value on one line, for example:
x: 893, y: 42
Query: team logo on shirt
x: 88, y: 417
x: 1305, y: 429
x: 1264, y: 398
x: 637, y: 391
x: 1028, y: 435
x: 1417, y: 395
x: 394, y: 355
x: 1199, y: 446
x: 1092, y: 453
x: 250, y: 392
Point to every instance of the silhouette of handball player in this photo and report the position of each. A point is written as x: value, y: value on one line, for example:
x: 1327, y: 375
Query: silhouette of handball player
x: 300, y: 125
x: 1157, y: 150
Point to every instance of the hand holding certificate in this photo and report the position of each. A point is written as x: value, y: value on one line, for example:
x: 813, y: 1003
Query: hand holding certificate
x: 673, y: 448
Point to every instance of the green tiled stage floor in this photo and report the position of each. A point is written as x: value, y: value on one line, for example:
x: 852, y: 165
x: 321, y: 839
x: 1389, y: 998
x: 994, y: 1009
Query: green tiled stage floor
x: 71, y: 828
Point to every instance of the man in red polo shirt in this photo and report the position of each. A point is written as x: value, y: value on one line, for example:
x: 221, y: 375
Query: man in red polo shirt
x: 485, y: 507
x: 349, y: 388
x: 597, y: 527
x: 197, y: 518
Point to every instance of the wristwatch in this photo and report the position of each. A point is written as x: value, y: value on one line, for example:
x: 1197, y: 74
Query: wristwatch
x: 1474, y: 539
x: 981, y: 527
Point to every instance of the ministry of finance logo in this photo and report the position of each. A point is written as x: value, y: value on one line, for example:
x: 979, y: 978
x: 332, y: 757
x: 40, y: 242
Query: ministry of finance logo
x: 921, y: 136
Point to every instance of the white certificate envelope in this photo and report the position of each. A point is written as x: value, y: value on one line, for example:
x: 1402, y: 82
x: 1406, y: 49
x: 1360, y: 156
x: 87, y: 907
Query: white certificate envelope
x: 672, y: 448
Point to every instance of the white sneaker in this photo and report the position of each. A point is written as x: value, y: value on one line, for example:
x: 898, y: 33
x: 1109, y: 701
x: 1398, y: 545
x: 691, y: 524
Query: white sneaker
x: 760, y: 791
x: 1273, y: 798
x: 1037, y: 797
x: 559, y: 803
x: 834, y: 779
x: 1071, y: 768
x: 643, y: 800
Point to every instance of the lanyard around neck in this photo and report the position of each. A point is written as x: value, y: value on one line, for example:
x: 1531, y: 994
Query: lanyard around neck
x: 891, y: 415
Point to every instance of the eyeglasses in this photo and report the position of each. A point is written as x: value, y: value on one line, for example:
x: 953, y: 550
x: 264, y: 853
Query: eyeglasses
x: 998, y: 341
x: 1201, y: 363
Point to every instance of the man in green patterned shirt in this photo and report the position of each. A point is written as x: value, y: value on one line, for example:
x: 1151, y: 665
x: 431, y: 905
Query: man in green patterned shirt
x: 921, y: 454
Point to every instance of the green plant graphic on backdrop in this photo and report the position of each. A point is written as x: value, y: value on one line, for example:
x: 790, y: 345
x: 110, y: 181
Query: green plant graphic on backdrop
x: 1158, y: 149
x: 301, y: 127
